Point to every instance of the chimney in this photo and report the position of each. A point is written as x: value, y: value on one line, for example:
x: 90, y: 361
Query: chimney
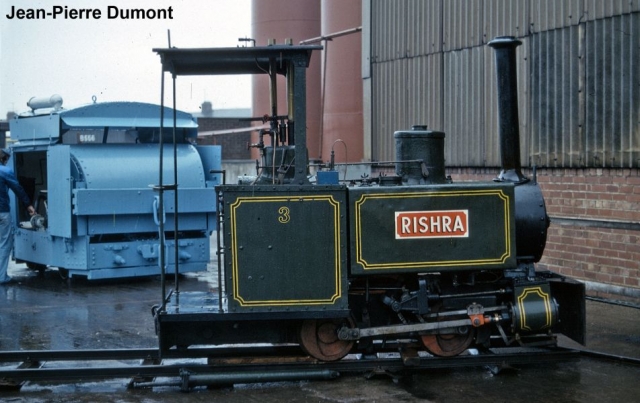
x: 207, y: 109
x: 508, y: 126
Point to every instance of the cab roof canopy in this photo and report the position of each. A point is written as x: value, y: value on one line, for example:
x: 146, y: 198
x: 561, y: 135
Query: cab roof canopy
x: 240, y: 60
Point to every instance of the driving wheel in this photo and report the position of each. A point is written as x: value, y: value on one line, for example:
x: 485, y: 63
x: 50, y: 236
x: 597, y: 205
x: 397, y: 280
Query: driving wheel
x: 319, y: 338
x: 449, y: 344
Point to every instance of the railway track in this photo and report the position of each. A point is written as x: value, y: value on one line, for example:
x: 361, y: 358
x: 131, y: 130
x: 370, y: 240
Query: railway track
x: 229, y: 365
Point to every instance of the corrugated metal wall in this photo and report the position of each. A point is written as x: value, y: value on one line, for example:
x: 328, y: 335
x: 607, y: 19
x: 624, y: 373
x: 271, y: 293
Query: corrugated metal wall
x: 612, y: 91
x: 579, y: 78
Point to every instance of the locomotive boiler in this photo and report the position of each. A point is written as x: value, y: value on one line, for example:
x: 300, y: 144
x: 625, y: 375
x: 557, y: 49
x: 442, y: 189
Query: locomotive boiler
x: 409, y: 257
x: 92, y: 173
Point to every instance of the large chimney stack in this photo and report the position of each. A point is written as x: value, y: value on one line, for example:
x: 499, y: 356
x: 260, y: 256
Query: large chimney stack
x: 505, y: 51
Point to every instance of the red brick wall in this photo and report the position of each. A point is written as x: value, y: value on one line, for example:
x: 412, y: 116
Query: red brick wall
x: 234, y: 145
x: 595, y: 222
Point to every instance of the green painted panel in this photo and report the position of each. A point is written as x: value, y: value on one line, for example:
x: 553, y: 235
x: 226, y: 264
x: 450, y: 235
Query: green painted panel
x: 285, y: 250
x: 426, y: 229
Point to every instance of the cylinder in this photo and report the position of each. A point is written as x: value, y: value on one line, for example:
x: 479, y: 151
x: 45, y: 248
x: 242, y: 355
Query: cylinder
x: 534, y: 309
x: 54, y: 101
x: 508, y: 124
x: 420, y: 156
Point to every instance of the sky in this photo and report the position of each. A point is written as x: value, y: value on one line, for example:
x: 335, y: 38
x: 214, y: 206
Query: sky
x: 112, y: 59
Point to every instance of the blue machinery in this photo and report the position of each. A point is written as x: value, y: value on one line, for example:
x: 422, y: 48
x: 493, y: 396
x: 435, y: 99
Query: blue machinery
x: 93, y: 174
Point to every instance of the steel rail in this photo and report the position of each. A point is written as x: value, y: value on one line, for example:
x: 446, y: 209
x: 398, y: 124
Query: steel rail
x: 145, y: 353
x: 77, y: 355
x: 610, y: 357
x: 349, y: 365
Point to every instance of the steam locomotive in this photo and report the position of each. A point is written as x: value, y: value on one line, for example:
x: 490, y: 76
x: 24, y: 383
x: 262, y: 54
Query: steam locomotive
x: 409, y: 257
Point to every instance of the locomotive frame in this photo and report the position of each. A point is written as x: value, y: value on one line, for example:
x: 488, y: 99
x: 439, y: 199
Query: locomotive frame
x: 340, y: 269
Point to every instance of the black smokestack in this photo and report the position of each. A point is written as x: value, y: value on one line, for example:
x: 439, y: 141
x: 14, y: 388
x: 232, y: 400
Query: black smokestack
x: 505, y: 48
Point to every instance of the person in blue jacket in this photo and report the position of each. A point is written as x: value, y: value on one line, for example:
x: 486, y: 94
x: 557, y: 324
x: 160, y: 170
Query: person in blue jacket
x: 8, y: 181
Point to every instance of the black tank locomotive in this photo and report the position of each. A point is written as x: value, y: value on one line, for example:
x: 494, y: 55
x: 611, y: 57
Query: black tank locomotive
x: 410, y: 257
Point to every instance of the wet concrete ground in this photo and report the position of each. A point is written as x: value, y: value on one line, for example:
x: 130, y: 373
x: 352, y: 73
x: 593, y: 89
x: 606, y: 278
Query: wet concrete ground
x: 46, y: 312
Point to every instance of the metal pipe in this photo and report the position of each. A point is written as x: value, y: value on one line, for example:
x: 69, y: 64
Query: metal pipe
x: 219, y: 249
x: 175, y: 193
x: 390, y: 164
x: 273, y: 91
x: 189, y: 380
x: 160, y: 210
x: 331, y: 36
x: 291, y: 113
x: 508, y: 125
x: 323, y: 97
x: 301, y: 157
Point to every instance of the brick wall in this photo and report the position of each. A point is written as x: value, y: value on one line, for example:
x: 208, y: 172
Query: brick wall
x: 234, y: 145
x: 595, y: 224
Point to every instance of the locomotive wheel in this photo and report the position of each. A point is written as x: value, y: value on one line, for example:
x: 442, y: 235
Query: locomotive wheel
x: 64, y: 273
x: 449, y: 344
x: 36, y: 266
x: 319, y: 339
